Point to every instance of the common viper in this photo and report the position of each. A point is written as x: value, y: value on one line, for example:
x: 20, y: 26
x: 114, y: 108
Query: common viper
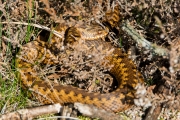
x: 38, y: 52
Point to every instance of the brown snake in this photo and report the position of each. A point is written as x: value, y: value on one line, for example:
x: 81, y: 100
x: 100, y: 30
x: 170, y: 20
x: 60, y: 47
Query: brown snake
x: 124, y: 71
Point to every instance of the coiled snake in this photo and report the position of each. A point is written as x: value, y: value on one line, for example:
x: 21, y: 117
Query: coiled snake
x: 37, y: 52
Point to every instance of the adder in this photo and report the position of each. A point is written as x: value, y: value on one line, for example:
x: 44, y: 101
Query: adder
x: 40, y: 52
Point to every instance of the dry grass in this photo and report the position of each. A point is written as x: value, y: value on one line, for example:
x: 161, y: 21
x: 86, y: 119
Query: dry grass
x: 157, y: 21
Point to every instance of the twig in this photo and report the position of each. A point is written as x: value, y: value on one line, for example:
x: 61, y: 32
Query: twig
x: 93, y: 111
x: 153, y: 112
x: 26, y: 114
x: 35, y: 25
x: 143, y: 42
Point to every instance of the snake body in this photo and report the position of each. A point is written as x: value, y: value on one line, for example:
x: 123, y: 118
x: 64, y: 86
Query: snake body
x: 38, y: 52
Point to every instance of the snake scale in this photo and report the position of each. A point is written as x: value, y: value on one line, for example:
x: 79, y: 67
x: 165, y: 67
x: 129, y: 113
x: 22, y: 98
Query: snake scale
x: 38, y: 52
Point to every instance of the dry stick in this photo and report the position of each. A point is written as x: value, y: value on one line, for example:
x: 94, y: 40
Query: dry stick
x: 35, y: 25
x: 95, y: 112
x: 25, y: 114
x: 153, y: 112
x: 143, y: 42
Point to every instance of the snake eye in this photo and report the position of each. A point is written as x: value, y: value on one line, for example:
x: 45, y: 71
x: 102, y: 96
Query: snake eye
x: 99, y: 32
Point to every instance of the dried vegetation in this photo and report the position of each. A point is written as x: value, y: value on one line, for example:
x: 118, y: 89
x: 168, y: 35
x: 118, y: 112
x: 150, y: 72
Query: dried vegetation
x: 157, y: 20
